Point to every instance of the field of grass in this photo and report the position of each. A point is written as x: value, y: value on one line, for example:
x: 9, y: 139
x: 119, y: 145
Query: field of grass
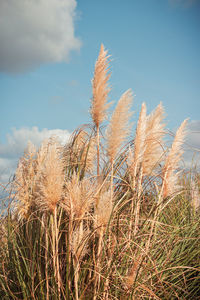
x: 106, y: 216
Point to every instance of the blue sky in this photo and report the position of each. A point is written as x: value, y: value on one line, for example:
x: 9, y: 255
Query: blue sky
x: 49, y: 48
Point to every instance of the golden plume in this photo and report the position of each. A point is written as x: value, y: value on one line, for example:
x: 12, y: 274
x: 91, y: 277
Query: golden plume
x: 119, y: 126
x: 100, y: 88
x: 154, y: 140
x: 172, y: 161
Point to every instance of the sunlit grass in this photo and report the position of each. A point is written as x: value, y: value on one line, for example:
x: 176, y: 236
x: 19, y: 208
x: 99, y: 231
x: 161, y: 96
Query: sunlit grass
x: 105, y: 216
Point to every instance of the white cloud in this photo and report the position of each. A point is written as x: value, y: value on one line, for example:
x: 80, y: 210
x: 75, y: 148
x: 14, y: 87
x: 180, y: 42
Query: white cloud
x: 16, y: 142
x: 33, y: 32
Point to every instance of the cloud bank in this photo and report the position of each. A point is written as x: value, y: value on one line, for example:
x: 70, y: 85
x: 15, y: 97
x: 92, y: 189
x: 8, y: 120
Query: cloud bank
x: 36, y: 32
x: 16, y: 142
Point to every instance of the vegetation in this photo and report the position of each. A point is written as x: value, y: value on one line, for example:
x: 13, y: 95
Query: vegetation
x: 105, y: 216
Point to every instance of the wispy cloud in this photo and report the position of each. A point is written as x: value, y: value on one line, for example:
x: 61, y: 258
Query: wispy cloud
x: 16, y: 142
x: 36, y: 32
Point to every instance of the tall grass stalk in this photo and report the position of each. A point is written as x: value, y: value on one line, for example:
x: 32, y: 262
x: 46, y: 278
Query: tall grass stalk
x: 105, y: 216
x: 100, y: 93
x: 136, y: 166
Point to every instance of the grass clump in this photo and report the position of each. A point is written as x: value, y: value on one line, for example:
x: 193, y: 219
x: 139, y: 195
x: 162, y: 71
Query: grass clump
x: 104, y: 216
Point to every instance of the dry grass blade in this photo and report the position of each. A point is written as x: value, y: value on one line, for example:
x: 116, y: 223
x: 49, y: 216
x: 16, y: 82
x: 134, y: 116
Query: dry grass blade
x: 79, y: 243
x: 80, y: 152
x: 119, y: 126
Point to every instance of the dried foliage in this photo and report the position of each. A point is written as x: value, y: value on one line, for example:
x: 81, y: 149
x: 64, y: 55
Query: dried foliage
x: 101, y: 217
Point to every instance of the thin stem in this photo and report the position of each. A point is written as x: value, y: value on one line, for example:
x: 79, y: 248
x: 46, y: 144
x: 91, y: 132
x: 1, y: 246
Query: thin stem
x: 98, y: 151
x: 56, y: 252
x: 76, y: 276
x: 46, y: 260
x: 98, y: 164
x: 97, y: 269
x: 137, y: 210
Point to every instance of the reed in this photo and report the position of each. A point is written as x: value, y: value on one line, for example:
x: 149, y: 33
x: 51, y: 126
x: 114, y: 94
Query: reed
x: 136, y: 166
x: 105, y: 216
x: 99, y: 103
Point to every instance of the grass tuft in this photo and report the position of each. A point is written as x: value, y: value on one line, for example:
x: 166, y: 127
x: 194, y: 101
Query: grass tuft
x: 106, y: 216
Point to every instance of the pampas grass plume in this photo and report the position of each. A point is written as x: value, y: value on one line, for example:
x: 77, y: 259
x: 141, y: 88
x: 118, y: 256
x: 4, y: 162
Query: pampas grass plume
x: 172, y: 161
x: 154, y: 140
x: 100, y: 88
x: 24, y: 182
x: 103, y: 210
x: 119, y: 126
x: 50, y: 177
x: 78, y: 197
x: 139, y: 142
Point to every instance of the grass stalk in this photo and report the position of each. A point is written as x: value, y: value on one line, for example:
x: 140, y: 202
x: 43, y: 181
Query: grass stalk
x: 88, y: 221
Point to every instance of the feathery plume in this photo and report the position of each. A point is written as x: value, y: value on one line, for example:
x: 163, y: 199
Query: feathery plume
x: 41, y: 155
x: 100, y: 88
x: 78, y: 197
x: 50, y: 176
x: 172, y: 161
x: 24, y: 184
x: 154, y: 140
x: 103, y: 210
x: 139, y: 143
x: 119, y: 126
